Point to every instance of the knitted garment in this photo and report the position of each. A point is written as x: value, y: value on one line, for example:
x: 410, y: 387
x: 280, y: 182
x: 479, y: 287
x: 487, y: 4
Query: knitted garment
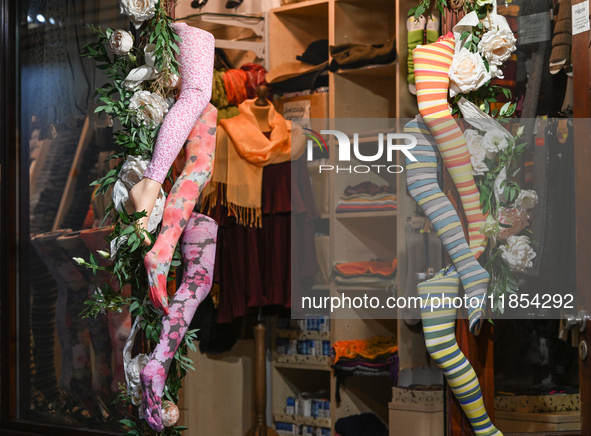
x: 432, y: 64
x: 367, y: 348
x: 196, y: 71
x: 424, y: 189
x: 241, y: 153
x: 439, y: 321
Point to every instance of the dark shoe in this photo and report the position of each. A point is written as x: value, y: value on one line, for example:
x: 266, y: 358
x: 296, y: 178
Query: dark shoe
x: 232, y: 4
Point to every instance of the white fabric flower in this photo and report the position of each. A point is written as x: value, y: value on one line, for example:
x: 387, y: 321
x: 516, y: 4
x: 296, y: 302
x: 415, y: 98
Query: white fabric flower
x: 515, y: 217
x: 120, y: 42
x: 495, y: 72
x: 138, y: 75
x: 477, y: 152
x: 136, y: 396
x: 170, y: 413
x: 517, y: 253
x: 527, y: 199
x: 467, y: 72
x: 138, y: 11
x: 480, y: 3
x: 496, y: 46
x: 495, y: 141
x: 173, y: 81
x: 498, y: 190
x: 150, y: 108
x: 491, y: 227
x: 131, y: 173
x: 132, y: 373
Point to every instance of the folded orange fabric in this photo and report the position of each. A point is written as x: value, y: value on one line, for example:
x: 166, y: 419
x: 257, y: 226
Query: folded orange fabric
x: 368, y: 348
x: 373, y: 267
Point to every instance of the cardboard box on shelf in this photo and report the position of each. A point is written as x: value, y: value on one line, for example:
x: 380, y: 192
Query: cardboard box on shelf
x: 304, y: 106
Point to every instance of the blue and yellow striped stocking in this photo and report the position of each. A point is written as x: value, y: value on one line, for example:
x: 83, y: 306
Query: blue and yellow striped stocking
x: 439, y: 321
x: 424, y: 189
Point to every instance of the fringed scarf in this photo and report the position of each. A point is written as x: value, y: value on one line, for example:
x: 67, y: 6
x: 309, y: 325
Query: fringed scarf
x: 242, y: 151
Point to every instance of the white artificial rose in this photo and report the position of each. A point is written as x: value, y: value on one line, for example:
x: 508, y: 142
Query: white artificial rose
x: 132, y: 171
x: 490, y: 227
x: 138, y: 11
x: 527, y: 199
x: 498, y: 189
x: 496, y: 46
x: 136, y: 396
x: 495, y: 141
x: 170, y: 413
x: 495, y: 72
x: 150, y: 108
x: 467, y: 72
x: 477, y: 152
x: 138, y: 75
x: 120, y: 42
x: 172, y: 81
x: 134, y: 368
x: 480, y: 3
x: 517, y: 253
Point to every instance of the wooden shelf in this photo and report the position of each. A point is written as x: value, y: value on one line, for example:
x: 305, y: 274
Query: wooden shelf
x: 302, y: 366
x: 388, y: 70
x: 356, y: 215
x: 362, y: 287
x: 309, y: 7
x: 302, y: 420
x: 320, y: 287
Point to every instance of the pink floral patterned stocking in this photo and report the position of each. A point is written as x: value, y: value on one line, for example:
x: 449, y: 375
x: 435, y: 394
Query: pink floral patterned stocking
x: 198, y: 249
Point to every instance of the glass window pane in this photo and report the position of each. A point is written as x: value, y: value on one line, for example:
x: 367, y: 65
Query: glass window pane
x: 75, y: 361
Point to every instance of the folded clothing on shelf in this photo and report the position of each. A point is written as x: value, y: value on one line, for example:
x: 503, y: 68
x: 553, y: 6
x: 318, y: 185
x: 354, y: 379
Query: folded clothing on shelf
x: 377, y: 356
x: 361, y: 425
x: 370, y: 272
x: 366, y: 197
x: 369, y: 349
x: 348, y: 56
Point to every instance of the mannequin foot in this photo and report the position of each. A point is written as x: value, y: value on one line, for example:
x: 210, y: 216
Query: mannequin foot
x: 153, y: 377
x: 143, y: 196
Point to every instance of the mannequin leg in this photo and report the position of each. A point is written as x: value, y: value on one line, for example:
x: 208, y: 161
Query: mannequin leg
x: 432, y: 63
x: 424, y: 189
x: 196, y: 55
x: 439, y: 320
x: 196, y: 174
x: 198, y: 248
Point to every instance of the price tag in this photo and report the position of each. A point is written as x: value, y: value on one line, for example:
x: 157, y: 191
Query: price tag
x: 581, y: 18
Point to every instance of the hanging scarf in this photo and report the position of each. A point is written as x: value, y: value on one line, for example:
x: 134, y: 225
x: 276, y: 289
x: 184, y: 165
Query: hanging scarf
x: 242, y: 151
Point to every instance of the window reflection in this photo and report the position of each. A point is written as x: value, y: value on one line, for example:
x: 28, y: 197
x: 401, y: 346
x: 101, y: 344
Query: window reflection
x: 75, y: 371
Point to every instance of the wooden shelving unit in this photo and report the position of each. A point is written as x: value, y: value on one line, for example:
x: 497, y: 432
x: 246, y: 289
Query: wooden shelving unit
x: 369, y: 92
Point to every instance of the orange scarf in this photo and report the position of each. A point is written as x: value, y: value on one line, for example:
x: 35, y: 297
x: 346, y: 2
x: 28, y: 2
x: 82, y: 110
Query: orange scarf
x: 242, y: 151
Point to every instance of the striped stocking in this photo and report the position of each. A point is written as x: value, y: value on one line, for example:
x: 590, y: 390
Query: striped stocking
x: 432, y: 63
x: 439, y: 320
x: 421, y: 179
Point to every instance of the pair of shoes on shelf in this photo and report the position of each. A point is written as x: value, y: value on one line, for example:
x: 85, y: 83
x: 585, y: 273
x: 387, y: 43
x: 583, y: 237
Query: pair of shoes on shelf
x: 230, y: 4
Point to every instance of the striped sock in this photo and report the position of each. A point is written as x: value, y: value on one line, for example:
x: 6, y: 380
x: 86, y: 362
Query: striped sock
x: 432, y: 63
x: 439, y: 320
x: 421, y: 179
